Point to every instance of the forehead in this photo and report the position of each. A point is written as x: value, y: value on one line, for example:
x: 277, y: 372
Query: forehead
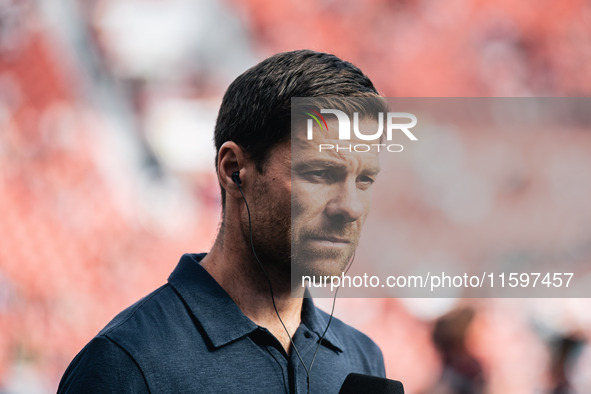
x: 326, y: 147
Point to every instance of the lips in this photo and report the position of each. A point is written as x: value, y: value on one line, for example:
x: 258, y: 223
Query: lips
x: 332, y: 241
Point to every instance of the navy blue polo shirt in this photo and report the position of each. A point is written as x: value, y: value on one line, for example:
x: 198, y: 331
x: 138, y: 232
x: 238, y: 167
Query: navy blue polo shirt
x: 189, y: 336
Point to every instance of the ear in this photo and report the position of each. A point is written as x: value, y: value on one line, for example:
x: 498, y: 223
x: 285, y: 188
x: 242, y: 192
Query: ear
x: 231, y: 158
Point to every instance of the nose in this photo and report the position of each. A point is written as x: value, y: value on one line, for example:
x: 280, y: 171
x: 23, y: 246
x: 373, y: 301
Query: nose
x: 347, y: 203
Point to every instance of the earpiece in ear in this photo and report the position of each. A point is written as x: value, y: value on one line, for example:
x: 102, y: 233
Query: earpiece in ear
x: 236, y: 178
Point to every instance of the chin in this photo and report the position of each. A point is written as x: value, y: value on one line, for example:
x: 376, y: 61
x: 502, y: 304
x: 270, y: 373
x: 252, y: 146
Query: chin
x: 317, y: 265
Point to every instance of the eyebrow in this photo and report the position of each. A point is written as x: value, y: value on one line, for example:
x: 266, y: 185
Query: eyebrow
x: 330, y: 165
x: 309, y: 164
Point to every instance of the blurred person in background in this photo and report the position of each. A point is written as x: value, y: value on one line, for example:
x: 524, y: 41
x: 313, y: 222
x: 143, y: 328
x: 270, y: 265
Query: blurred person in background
x: 565, y: 352
x: 227, y: 321
x: 462, y: 372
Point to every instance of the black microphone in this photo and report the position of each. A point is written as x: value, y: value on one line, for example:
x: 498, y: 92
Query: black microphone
x: 357, y: 383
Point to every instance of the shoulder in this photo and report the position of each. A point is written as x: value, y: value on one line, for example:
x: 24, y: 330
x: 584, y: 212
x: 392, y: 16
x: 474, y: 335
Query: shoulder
x: 103, y: 367
x: 152, y: 326
x: 139, y: 315
x: 131, y: 347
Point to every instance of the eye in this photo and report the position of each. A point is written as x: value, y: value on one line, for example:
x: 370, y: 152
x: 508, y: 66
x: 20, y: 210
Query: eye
x: 319, y: 176
x: 365, y: 181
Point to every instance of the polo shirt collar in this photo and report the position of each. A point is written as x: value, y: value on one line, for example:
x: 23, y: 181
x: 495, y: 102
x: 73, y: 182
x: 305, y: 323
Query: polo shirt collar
x: 221, y: 319
x: 317, y: 321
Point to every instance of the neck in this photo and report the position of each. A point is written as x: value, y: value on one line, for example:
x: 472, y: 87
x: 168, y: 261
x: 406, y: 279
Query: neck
x: 240, y: 275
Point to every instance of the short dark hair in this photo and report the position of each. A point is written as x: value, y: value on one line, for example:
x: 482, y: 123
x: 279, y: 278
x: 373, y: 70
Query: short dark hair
x: 256, y: 109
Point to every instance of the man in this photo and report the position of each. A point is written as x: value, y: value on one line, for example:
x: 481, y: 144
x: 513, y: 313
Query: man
x: 227, y: 321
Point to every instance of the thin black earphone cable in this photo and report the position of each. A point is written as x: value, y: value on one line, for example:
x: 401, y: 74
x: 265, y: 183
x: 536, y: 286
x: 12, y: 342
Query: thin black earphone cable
x: 331, y: 313
x: 327, y: 324
x: 307, y: 369
x: 268, y: 279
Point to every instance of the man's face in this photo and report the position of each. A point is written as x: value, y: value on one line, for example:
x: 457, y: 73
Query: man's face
x: 331, y: 194
x: 325, y: 194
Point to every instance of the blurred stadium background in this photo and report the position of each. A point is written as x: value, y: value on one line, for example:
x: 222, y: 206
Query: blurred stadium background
x: 106, y: 165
